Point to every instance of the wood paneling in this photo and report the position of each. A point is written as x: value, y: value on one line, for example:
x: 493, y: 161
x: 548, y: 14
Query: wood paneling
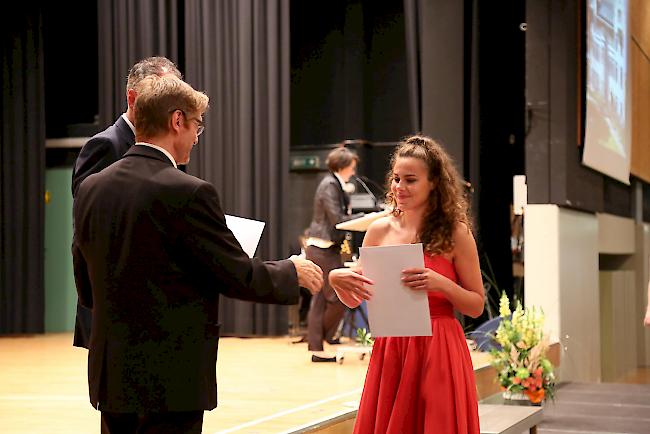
x: 640, y: 162
x: 640, y: 23
x: 640, y: 76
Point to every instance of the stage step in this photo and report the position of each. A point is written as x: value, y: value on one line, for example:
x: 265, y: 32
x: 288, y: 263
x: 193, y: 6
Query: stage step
x: 495, y: 419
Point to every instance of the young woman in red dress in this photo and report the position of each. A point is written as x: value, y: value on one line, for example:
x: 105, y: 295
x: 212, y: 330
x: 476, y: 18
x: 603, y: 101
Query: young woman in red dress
x: 423, y: 384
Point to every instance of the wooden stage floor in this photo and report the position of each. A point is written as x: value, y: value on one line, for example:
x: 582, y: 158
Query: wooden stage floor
x: 265, y: 385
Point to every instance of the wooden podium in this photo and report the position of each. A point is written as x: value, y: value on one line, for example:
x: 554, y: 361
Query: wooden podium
x: 361, y: 224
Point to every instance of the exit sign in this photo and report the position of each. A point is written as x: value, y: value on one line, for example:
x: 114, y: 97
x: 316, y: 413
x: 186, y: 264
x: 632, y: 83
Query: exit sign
x: 305, y: 162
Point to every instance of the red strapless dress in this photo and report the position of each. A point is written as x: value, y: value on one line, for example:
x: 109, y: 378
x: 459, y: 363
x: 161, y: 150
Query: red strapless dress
x: 422, y: 384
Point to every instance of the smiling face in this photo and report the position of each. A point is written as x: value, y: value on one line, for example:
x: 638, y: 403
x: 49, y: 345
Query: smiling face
x: 410, y: 184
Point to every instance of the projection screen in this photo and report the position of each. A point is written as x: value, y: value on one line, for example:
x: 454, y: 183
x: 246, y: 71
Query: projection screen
x: 607, y: 127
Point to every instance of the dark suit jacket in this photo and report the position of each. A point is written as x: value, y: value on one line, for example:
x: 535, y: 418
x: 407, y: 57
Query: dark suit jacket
x: 102, y: 150
x: 330, y: 207
x: 151, y: 254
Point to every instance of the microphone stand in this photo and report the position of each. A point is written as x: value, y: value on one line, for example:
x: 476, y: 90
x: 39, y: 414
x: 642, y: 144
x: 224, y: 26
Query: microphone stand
x: 365, y: 187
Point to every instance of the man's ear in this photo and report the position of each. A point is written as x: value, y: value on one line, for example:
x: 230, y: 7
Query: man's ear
x: 131, y: 94
x: 175, y: 121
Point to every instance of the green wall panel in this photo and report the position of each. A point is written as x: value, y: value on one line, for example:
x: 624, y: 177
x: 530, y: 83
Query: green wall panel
x: 60, y: 292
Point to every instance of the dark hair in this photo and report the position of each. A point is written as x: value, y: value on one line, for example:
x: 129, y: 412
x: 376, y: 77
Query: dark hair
x: 340, y: 158
x: 151, y: 66
x: 447, y: 204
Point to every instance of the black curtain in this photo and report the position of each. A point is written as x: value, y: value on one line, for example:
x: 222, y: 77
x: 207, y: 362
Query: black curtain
x: 128, y: 32
x: 412, y: 37
x: 349, y: 72
x: 501, y: 78
x: 471, y: 163
x: 238, y: 53
x: 22, y: 162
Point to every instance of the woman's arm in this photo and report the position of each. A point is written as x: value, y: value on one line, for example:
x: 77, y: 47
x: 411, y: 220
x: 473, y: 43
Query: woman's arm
x: 350, y: 283
x: 467, y: 295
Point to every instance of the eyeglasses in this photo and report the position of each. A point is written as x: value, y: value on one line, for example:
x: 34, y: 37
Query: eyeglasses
x: 200, y: 127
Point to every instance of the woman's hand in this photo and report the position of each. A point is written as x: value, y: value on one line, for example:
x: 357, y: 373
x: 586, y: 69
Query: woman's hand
x: 646, y: 320
x: 350, y: 286
x: 424, y: 279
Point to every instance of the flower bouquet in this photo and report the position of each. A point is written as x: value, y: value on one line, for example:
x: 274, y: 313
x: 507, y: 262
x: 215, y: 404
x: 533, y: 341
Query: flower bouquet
x: 521, y: 363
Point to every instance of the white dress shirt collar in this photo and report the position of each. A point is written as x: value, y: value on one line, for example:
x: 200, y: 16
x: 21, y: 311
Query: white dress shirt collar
x: 340, y: 180
x: 164, y: 151
x: 128, y: 122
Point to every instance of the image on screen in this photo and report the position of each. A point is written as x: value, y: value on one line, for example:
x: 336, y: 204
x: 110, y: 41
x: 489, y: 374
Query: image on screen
x: 607, y: 132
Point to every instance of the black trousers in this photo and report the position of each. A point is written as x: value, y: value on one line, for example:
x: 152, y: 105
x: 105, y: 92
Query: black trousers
x: 173, y: 422
x: 326, y: 310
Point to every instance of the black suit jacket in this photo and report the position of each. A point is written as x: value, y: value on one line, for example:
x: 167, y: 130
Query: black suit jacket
x: 330, y: 208
x: 102, y: 150
x: 151, y: 254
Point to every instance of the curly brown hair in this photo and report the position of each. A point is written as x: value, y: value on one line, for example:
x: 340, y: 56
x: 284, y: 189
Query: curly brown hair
x: 447, y: 203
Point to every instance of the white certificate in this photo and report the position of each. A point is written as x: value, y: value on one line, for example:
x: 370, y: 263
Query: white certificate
x: 394, y: 309
x: 248, y: 232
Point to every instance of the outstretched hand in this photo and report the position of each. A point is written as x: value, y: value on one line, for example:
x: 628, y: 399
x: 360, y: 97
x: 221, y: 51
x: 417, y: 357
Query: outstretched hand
x: 349, y: 286
x: 310, y: 275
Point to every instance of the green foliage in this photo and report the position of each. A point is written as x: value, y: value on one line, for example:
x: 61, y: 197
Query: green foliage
x: 364, y: 337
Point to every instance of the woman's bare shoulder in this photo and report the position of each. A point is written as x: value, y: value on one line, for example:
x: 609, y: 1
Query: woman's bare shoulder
x: 377, y: 230
x: 461, y: 230
x: 463, y: 238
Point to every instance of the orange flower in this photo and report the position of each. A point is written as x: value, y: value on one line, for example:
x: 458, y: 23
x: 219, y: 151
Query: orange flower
x: 516, y: 380
x: 535, y: 396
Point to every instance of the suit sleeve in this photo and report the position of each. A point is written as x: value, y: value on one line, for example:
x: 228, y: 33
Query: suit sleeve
x: 216, y: 254
x: 332, y: 207
x: 80, y: 269
x: 81, y: 279
x: 331, y: 204
x: 97, y: 154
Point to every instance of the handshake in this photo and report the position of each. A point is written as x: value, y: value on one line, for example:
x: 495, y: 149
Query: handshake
x: 349, y: 284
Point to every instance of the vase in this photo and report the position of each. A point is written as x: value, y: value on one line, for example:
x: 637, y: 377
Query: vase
x: 522, y: 398
x: 515, y: 396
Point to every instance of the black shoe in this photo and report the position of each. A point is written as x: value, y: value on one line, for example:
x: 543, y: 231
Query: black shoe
x: 302, y: 340
x: 336, y: 341
x: 318, y: 359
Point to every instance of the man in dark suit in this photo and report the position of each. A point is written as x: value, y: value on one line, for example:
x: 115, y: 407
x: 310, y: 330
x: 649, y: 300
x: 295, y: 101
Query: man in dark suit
x: 107, y: 147
x: 151, y: 255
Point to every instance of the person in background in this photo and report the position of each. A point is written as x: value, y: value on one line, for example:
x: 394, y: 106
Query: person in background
x: 422, y: 384
x: 151, y: 255
x: 323, y: 246
x: 108, y: 146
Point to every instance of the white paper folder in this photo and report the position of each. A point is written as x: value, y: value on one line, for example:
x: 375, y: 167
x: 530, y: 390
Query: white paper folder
x: 248, y: 232
x: 394, y: 309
